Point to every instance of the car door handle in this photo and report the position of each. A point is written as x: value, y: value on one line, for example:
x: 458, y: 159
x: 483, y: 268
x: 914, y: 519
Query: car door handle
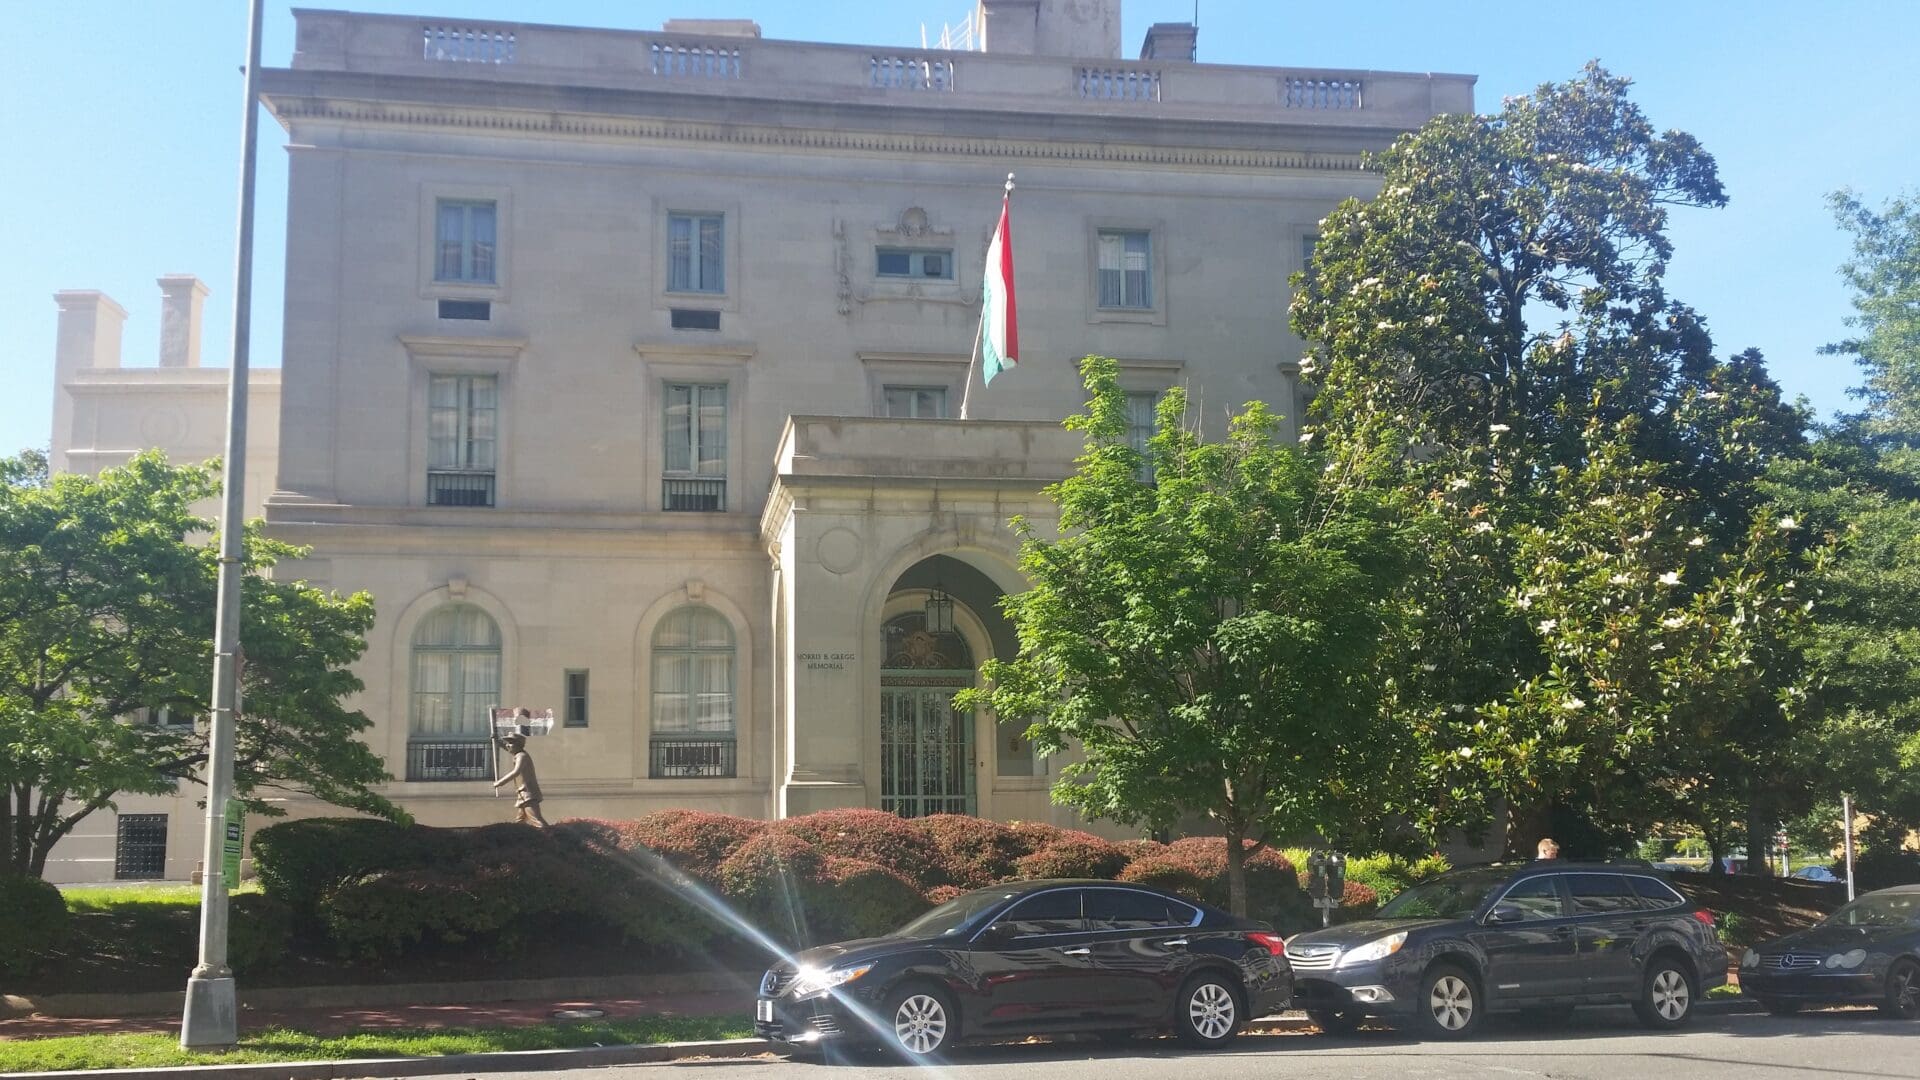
x: 1176, y: 943
x: 1079, y: 950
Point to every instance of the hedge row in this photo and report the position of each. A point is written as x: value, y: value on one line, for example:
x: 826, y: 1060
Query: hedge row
x: 33, y: 919
x: 685, y: 881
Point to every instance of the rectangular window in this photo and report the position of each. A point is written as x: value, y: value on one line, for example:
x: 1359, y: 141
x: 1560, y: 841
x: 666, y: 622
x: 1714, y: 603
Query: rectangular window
x: 140, y: 847
x: 1126, y: 270
x: 1140, y: 419
x: 696, y: 458
x: 910, y: 263
x: 464, y: 241
x: 696, y: 253
x: 166, y: 718
x: 576, y: 694
x: 917, y: 402
x: 462, y: 426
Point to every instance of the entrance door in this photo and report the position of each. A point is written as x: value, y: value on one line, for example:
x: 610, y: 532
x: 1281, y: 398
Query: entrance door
x: 926, y: 745
x: 926, y: 748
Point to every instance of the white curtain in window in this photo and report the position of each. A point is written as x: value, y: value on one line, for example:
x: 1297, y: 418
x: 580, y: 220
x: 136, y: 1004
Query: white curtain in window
x: 693, y: 691
x: 462, y: 421
x: 1140, y: 419
x: 712, y: 256
x: 456, y: 673
x: 480, y: 242
x: 1125, y: 270
x: 697, y: 429
x: 451, y: 232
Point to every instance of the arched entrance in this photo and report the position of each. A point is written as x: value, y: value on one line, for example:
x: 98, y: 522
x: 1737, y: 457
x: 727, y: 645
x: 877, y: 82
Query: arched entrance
x: 926, y: 744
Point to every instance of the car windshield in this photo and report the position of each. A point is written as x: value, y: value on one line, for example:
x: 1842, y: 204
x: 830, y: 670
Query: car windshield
x: 953, y: 915
x: 1897, y: 909
x: 1450, y: 896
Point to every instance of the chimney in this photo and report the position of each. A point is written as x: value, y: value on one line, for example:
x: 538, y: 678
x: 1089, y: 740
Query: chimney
x: 181, y: 296
x: 1170, y: 41
x: 88, y: 337
x: 746, y: 28
x: 1078, y: 29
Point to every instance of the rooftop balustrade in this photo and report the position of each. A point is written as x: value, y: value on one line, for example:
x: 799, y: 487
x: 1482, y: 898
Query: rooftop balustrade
x: 804, y: 71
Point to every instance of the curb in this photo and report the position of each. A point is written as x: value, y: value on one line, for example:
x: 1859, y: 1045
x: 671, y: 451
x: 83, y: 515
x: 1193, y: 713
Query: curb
x: 503, y: 1061
x: 275, y: 998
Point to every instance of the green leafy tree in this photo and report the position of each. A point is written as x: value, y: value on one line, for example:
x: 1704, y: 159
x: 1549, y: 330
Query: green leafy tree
x: 1884, y: 275
x: 1210, y: 627
x: 1503, y: 302
x: 106, y: 610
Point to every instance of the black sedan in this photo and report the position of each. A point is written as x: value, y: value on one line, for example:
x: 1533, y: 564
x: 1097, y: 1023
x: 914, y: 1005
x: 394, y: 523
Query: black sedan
x: 1868, y: 952
x: 1033, y: 958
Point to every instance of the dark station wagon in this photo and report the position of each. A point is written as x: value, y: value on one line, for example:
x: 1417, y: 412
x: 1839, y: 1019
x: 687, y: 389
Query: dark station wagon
x: 1544, y: 937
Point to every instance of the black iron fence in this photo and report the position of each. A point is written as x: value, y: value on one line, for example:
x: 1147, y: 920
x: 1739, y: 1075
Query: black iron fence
x: 706, y: 494
x: 459, y: 489
x: 692, y: 757
x: 449, y: 760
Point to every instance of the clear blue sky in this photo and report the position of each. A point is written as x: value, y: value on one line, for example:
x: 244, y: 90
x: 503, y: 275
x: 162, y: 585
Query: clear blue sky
x: 121, y: 126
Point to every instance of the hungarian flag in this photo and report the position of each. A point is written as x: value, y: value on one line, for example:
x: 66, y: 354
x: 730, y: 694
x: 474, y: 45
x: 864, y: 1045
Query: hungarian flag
x: 999, y: 327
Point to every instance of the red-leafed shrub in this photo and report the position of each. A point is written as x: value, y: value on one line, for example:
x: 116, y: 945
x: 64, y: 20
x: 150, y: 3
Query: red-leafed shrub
x: 1035, y: 835
x: 872, y: 835
x: 940, y: 894
x: 856, y: 899
x: 696, y: 841
x: 1140, y: 849
x: 1169, y: 872
x: 1196, y: 866
x: 973, y: 852
x: 1072, y: 854
x: 1357, y: 901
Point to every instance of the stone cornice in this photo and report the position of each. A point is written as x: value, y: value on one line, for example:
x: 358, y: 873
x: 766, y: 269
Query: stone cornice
x: 649, y: 129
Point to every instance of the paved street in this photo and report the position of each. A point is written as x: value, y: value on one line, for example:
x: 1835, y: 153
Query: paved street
x: 1598, y: 1044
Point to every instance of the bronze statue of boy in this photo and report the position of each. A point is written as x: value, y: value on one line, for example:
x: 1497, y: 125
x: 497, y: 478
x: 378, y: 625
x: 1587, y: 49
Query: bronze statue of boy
x: 527, y: 800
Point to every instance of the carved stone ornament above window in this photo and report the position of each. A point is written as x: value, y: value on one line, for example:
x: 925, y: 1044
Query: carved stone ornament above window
x: 915, y: 228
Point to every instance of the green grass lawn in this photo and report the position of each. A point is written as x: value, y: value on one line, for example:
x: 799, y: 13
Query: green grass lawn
x: 113, y: 897
x: 146, y: 1051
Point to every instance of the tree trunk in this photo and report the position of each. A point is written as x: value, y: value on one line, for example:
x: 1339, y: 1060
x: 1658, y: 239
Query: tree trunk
x: 1236, y: 870
x: 1716, y: 852
x: 1527, y: 824
x: 1759, y: 842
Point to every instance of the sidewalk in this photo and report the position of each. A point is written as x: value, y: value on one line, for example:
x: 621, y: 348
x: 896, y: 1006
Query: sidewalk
x: 341, y: 1021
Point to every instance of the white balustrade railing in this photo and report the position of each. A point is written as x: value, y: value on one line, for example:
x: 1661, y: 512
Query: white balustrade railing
x: 1298, y: 92
x: 467, y: 44
x: 1117, y: 84
x: 695, y: 59
x: 909, y: 73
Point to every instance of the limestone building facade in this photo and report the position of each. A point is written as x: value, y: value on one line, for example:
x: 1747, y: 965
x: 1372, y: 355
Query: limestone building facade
x: 624, y: 369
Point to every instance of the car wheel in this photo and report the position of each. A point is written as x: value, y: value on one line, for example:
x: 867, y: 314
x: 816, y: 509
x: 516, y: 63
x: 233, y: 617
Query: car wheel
x: 1336, y: 1021
x: 1449, y: 1003
x: 1778, y: 1007
x: 1207, y: 1012
x: 1666, y: 993
x: 1903, y: 991
x: 922, y: 1020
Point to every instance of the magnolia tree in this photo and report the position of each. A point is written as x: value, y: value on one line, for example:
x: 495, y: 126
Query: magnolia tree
x: 1212, y: 629
x: 1500, y: 310
x: 107, y: 597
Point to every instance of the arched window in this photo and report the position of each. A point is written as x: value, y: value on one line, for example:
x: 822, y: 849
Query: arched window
x: 693, y: 697
x: 456, y: 679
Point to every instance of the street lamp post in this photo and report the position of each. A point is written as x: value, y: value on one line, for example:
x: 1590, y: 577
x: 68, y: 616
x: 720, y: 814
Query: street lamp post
x: 211, y: 1016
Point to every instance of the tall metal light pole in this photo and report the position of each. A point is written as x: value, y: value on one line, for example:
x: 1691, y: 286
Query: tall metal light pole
x: 211, y: 1017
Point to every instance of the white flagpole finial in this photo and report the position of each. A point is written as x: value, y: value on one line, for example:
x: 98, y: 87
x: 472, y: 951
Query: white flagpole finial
x: 1009, y: 181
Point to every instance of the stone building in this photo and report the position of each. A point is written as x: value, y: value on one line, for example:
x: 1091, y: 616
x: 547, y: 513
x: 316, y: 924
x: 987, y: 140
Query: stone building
x: 624, y: 369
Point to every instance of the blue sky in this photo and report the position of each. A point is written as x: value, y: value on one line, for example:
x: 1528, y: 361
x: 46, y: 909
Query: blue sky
x: 121, y: 126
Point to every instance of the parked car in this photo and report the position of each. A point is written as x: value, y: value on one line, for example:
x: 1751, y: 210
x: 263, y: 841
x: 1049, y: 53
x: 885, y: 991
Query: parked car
x: 1815, y: 873
x: 1866, y: 952
x: 1033, y: 957
x: 1544, y: 936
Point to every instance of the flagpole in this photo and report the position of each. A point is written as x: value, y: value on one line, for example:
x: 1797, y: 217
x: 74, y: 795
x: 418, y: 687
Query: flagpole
x: 973, y: 359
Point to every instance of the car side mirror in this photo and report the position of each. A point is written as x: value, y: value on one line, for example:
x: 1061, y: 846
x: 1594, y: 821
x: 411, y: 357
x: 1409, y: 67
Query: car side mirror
x: 1505, y: 913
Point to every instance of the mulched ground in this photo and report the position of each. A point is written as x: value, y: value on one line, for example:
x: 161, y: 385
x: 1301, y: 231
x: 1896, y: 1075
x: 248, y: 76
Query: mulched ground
x: 1765, y: 907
